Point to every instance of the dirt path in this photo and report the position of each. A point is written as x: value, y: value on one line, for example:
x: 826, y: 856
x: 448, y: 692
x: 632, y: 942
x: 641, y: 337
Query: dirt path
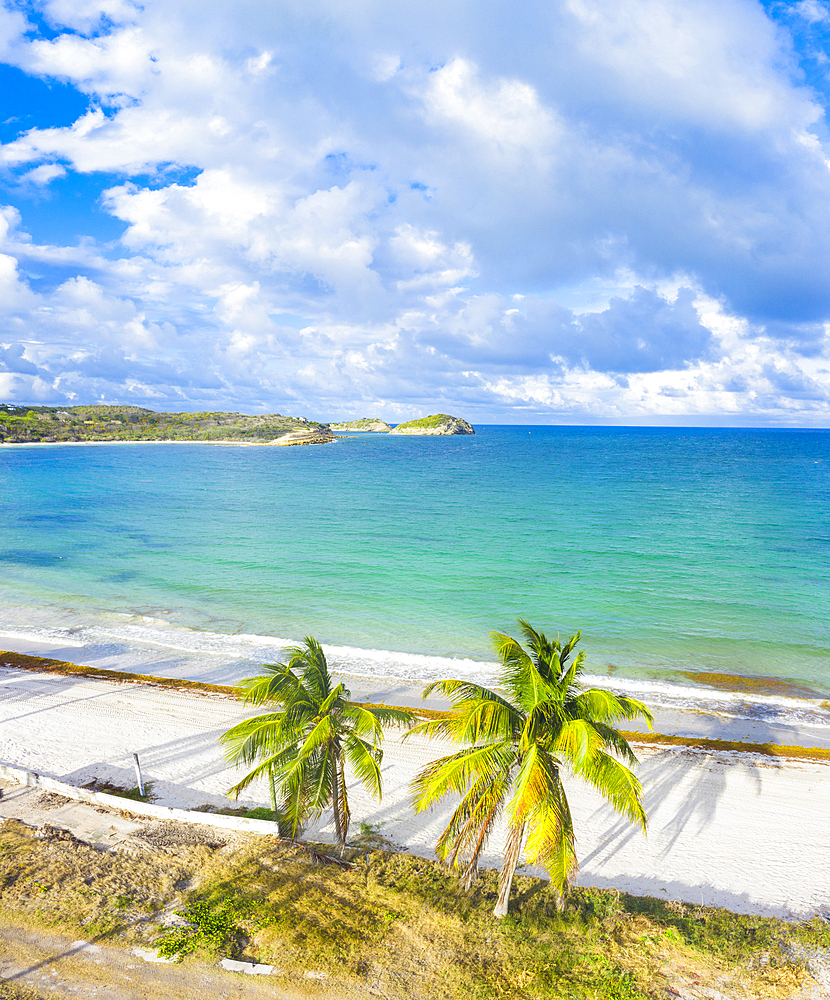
x: 54, y: 965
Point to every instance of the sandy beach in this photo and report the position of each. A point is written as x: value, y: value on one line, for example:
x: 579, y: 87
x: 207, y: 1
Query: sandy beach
x: 743, y: 830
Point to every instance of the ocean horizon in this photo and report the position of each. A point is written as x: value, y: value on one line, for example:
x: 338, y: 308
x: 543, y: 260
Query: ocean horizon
x: 687, y: 556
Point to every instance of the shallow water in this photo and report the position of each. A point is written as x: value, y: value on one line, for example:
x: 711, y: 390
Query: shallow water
x: 674, y: 550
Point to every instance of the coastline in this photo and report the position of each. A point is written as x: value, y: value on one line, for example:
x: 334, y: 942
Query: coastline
x: 154, y: 647
x: 277, y: 442
x: 405, y: 697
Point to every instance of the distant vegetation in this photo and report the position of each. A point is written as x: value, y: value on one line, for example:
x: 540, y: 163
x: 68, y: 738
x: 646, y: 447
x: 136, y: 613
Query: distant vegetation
x: 427, y: 423
x: 134, y: 423
x: 436, y: 423
x: 363, y: 424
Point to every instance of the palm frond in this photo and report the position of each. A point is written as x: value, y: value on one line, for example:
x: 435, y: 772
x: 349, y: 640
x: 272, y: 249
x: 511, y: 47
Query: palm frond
x: 537, y: 779
x: 614, y: 740
x: 364, y: 759
x: 455, y: 772
x: 262, y: 735
x: 308, y: 782
x: 311, y: 659
x: 257, y: 772
x: 381, y: 714
x: 570, y: 675
x: 478, y: 715
x: 276, y: 686
x: 472, y: 821
x: 330, y: 702
x: 618, y: 785
x: 320, y: 735
x: 576, y: 741
x: 361, y: 722
x: 551, y: 842
x: 529, y: 680
x: 605, y: 706
x: 459, y: 692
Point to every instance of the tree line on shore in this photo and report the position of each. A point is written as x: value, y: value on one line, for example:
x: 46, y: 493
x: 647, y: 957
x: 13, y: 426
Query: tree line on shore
x: 514, y: 745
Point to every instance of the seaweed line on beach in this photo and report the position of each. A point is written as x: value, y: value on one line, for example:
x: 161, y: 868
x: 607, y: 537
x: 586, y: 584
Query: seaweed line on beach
x: 42, y: 664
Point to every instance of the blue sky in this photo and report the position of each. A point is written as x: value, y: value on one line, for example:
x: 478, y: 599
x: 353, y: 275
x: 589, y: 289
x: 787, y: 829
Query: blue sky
x: 577, y: 211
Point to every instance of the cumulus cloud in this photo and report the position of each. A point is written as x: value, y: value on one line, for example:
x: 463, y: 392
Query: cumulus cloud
x: 574, y: 210
x: 643, y: 333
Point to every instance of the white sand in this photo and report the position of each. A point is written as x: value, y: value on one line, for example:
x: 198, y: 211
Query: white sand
x: 738, y: 830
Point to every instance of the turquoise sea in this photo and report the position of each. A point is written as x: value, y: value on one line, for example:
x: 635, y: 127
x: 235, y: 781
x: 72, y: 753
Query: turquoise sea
x: 676, y: 551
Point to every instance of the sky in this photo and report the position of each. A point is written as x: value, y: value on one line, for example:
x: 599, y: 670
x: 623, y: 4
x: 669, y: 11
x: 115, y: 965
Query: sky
x: 578, y: 211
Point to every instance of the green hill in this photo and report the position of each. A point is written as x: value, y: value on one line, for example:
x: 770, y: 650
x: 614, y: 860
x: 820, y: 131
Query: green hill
x: 30, y: 424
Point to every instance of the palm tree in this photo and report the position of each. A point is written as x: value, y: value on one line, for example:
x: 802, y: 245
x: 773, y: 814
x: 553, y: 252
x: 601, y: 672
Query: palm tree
x: 515, y: 748
x: 302, y: 748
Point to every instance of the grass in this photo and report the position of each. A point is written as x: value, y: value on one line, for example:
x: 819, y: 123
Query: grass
x: 394, y: 923
x: 19, y: 991
x: 134, y: 794
x: 73, y: 886
x: 404, y: 924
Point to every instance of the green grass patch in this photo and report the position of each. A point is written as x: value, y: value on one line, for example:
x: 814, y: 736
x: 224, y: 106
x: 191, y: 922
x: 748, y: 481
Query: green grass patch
x: 133, y: 794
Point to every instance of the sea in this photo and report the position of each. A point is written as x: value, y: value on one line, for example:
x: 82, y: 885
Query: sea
x: 692, y: 560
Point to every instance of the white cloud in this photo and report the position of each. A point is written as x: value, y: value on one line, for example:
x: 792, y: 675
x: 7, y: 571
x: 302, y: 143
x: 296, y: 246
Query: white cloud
x: 812, y: 11
x: 44, y: 174
x: 573, y: 209
x: 505, y: 114
x: 87, y: 15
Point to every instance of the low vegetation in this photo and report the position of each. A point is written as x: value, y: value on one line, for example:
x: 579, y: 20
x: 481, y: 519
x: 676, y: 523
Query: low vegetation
x: 32, y: 424
x: 391, y: 922
x: 435, y: 420
x: 362, y: 424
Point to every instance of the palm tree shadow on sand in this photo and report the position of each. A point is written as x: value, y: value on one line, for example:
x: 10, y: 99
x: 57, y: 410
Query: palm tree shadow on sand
x: 703, y: 786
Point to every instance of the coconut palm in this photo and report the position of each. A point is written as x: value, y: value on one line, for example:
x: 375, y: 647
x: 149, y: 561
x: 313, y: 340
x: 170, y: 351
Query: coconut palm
x: 303, y: 746
x: 515, y: 748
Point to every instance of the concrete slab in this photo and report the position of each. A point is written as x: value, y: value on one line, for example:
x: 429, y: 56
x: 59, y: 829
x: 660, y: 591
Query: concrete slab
x: 36, y: 808
x: 247, y: 968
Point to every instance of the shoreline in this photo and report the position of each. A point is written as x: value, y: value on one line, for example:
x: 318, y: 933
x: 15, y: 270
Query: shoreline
x: 153, y: 648
x: 426, y: 708
x: 245, y: 444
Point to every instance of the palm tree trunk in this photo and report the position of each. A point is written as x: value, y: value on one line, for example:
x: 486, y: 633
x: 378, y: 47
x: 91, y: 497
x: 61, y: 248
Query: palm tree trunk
x: 344, y: 804
x: 512, y: 851
x: 335, y: 804
x: 273, y: 789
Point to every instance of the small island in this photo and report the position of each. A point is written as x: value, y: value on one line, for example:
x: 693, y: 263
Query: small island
x: 54, y: 425
x: 373, y: 424
x: 438, y: 423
